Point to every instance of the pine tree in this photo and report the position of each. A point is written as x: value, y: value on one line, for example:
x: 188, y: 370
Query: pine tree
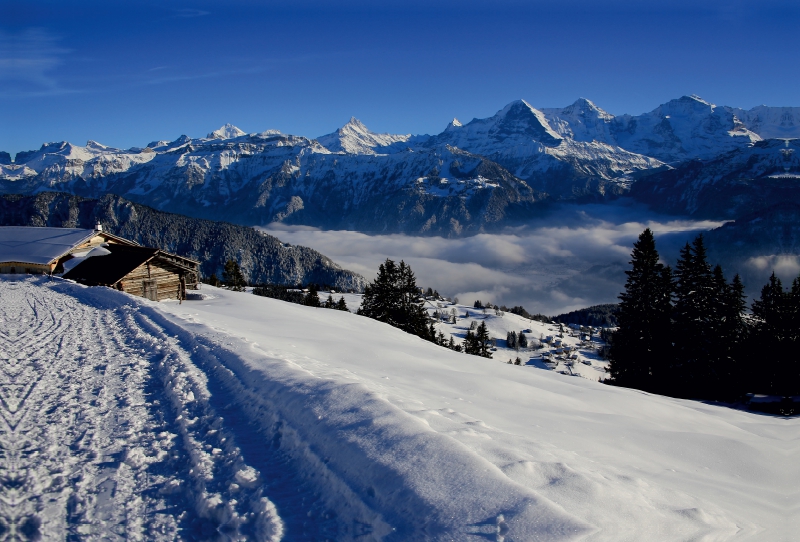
x: 312, y: 297
x: 522, y: 340
x: 482, y: 341
x: 394, y: 298
x: 730, y: 337
x: 640, y: 352
x: 470, y: 346
x: 341, y: 305
x: 329, y: 303
x: 775, y: 338
x: 511, y: 339
x: 699, y: 300
x: 232, y: 276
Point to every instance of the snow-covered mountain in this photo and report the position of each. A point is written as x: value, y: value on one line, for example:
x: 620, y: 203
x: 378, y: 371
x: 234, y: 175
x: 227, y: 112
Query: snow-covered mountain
x: 229, y: 131
x: 470, y: 177
x: 520, y: 138
x: 679, y: 130
x: 731, y: 185
x: 267, y: 177
x: 771, y: 121
x: 355, y: 138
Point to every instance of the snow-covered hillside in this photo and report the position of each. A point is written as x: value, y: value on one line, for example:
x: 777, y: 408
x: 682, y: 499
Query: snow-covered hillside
x: 235, y: 415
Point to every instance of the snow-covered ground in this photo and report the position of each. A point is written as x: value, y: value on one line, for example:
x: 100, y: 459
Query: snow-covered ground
x: 239, y: 416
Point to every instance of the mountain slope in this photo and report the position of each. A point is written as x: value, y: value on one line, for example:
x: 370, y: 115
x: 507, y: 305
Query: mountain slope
x: 262, y: 257
x: 734, y: 184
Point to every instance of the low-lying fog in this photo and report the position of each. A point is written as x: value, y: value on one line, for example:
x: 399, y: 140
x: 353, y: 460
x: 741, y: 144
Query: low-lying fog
x: 572, y: 257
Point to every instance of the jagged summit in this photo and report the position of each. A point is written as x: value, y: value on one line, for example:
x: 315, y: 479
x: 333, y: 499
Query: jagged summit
x: 355, y: 138
x: 229, y: 131
x: 354, y: 124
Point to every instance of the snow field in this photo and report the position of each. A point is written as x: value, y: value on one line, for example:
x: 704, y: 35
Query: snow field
x: 621, y: 464
x: 235, y: 416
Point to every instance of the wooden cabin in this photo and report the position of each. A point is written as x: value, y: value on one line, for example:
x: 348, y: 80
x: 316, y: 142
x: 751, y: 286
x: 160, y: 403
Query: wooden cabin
x: 97, y: 258
x: 32, y: 250
x: 145, y: 272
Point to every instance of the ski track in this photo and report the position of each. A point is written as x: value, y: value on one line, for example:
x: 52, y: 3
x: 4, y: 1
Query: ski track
x: 109, y: 430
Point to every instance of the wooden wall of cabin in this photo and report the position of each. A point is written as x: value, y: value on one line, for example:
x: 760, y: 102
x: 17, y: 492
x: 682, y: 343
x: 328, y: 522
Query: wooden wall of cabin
x: 168, y: 282
x: 21, y: 268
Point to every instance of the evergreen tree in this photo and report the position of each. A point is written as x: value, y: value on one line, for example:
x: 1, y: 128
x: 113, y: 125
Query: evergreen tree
x: 522, y: 340
x: 213, y: 280
x: 341, y: 305
x: 482, y: 341
x: 511, y: 339
x: 731, y: 335
x: 700, y: 297
x: 470, y: 345
x: 329, y: 303
x: 312, y: 297
x: 640, y: 353
x: 394, y: 298
x: 232, y: 276
x: 775, y: 338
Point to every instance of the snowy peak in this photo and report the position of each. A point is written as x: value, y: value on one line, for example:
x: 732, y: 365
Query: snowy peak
x: 355, y: 138
x: 583, y: 108
x: 455, y: 123
x: 517, y: 124
x: 229, y: 131
x: 686, y: 106
x: 519, y: 117
x: 581, y: 121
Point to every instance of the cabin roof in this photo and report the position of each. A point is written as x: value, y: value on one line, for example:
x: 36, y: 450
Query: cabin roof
x: 43, y: 246
x: 111, y: 268
x: 39, y: 245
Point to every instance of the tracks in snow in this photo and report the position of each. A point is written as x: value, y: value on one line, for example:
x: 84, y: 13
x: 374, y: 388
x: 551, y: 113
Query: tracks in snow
x: 107, y: 431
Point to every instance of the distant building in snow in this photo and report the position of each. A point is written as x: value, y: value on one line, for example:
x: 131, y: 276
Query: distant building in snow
x: 97, y: 258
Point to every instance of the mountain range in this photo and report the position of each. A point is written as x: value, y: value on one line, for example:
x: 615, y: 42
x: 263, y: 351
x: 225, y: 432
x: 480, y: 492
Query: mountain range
x: 687, y: 156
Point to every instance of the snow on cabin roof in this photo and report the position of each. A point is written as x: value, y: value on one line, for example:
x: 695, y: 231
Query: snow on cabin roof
x: 26, y: 244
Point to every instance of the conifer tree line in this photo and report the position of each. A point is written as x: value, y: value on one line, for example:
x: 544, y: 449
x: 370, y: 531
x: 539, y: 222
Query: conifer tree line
x: 686, y: 333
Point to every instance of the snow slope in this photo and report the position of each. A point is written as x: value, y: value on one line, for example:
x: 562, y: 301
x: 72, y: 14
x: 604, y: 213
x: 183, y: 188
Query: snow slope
x: 244, y: 416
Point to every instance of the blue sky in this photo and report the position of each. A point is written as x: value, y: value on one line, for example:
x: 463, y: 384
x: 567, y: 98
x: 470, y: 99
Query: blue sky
x: 127, y: 73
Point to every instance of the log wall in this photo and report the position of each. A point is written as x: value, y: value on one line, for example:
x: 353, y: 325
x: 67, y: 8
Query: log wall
x: 169, y: 283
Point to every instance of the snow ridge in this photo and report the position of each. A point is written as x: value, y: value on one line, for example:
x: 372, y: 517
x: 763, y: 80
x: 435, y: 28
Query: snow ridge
x: 355, y: 138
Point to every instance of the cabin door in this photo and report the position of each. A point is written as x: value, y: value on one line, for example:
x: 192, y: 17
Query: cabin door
x: 150, y: 288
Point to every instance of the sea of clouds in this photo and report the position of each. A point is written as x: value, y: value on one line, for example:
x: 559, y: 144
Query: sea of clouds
x: 573, y: 256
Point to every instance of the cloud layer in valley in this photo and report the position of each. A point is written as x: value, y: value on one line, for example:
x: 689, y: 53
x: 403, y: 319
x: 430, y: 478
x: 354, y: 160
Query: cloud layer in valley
x: 573, y: 257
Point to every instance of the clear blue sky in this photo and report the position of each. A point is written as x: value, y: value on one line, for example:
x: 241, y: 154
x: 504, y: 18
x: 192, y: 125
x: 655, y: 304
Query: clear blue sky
x: 126, y: 73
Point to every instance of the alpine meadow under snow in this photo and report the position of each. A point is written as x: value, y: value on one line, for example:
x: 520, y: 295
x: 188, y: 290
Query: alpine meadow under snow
x: 233, y: 415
